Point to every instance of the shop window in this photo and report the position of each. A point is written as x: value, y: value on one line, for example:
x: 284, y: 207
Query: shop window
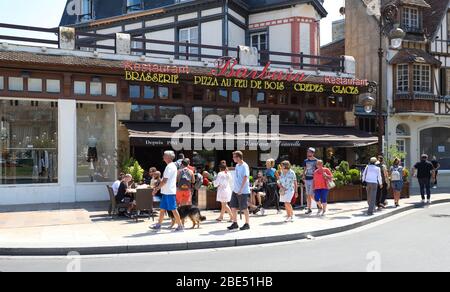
x: 96, y: 143
x: 15, y: 83
x: 368, y: 124
x: 211, y: 95
x: 206, y: 111
x: 324, y: 118
x: 177, y: 93
x: 222, y: 96
x: 167, y: 113
x: 79, y: 87
x: 311, y: 100
x: 143, y: 113
x: 295, y: 100
x: 135, y: 91
x: 53, y: 86
x: 435, y: 143
x: 35, y: 84
x: 261, y: 98
x: 111, y: 89
x: 28, y: 142
x: 236, y: 97
x: 95, y: 88
x: 272, y: 98
x: 289, y: 117
x: 163, y: 92
x: 224, y: 112
x: 2, y: 85
x: 198, y: 94
x: 149, y: 92
x: 283, y: 99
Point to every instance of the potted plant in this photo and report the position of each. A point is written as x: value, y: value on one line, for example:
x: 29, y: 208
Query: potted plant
x: 348, y: 184
x: 137, y: 172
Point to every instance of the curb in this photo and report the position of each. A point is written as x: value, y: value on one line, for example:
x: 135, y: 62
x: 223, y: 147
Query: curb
x: 124, y: 249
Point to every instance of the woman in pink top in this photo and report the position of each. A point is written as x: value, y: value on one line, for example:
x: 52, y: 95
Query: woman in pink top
x: 321, y: 190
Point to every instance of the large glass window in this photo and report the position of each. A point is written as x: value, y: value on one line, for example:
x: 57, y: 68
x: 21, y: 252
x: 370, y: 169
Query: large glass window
x: 28, y: 142
x: 143, y: 112
x: 167, y: 113
x: 96, y: 156
x: 436, y: 142
x: 324, y: 118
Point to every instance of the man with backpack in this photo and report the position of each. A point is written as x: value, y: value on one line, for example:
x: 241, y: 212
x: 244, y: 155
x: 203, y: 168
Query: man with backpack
x: 185, y: 181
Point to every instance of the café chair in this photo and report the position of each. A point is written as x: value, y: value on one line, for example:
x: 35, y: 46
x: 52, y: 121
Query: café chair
x: 113, y: 205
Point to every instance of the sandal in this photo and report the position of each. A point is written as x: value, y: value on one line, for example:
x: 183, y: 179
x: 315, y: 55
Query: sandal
x: 219, y: 220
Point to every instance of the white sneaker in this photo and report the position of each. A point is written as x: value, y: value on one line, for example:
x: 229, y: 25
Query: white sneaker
x: 292, y: 219
x: 287, y: 220
x: 429, y: 202
x: 262, y: 211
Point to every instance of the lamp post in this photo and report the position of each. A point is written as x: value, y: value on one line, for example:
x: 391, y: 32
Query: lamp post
x: 388, y: 26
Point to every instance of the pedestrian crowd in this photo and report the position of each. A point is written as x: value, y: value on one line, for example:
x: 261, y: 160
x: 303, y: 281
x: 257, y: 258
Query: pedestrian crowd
x: 178, y: 186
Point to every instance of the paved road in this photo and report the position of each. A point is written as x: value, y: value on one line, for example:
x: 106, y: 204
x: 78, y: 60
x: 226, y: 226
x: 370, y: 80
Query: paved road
x: 416, y: 241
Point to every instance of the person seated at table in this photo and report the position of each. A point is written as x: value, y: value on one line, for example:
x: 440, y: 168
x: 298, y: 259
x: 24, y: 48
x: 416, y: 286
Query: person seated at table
x: 258, y: 188
x: 115, y: 186
x: 124, y: 195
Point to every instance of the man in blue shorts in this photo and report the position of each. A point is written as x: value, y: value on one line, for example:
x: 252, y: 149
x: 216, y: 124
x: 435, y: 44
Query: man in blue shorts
x: 310, y: 166
x: 168, y: 187
x: 241, y: 191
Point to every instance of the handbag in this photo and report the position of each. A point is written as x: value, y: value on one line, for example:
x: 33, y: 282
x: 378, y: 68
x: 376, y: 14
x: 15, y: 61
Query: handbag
x: 364, y: 183
x: 331, y: 184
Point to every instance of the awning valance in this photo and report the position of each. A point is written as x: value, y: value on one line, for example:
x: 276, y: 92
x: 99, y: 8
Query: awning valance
x: 160, y: 134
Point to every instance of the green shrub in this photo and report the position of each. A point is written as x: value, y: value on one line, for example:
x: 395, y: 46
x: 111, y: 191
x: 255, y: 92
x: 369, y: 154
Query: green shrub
x: 355, y: 176
x: 298, y: 172
x: 339, y: 179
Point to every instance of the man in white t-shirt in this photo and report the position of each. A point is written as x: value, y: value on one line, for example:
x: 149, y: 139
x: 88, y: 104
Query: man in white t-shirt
x: 115, y: 186
x: 168, y: 187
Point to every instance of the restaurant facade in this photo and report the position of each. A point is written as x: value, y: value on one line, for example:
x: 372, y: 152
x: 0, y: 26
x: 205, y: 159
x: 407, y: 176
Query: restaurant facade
x: 74, y: 109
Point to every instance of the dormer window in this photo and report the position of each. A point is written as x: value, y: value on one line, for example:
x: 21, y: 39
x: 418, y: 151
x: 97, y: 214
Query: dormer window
x: 411, y: 19
x: 134, y: 5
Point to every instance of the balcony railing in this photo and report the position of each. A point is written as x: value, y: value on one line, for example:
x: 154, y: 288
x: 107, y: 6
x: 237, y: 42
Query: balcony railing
x: 108, y: 43
x: 421, y: 103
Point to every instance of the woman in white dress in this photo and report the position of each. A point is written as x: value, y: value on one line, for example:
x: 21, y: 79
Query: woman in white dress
x: 223, y: 185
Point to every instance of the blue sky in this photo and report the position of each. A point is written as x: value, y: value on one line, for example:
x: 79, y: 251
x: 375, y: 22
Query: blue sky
x: 47, y: 13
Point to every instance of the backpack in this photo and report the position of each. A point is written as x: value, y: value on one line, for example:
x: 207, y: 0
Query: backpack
x: 198, y: 181
x: 396, y: 174
x: 185, y: 181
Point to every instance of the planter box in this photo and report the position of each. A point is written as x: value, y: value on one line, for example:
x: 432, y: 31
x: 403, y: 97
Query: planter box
x: 207, y: 199
x: 406, y: 193
x: 346, y: 194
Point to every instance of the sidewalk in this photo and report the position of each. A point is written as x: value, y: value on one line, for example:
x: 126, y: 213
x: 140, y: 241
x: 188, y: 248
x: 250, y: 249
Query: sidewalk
x: 86, y: 228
